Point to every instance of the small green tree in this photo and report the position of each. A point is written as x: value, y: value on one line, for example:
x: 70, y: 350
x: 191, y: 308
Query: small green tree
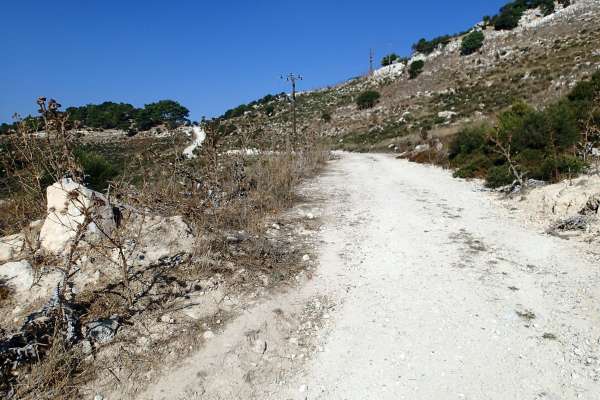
x: 5, y: 128
x: 167, y: 111
x: 472, y: 42
x: 547, y: 6
x: 367, y: 99
x: 389, y: 59
x: 269, y: 110
x: 429, y: 46
x: 415, y: 68
x: 97, y: 170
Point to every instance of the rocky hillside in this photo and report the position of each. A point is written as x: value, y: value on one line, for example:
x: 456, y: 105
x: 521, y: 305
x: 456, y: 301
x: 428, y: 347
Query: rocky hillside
x: 538, y: 61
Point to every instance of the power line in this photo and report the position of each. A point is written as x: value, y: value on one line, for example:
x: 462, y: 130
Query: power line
x: 292, y: 78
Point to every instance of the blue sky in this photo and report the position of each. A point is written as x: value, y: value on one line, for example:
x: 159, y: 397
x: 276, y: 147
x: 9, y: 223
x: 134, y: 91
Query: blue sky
x: 208, y: 55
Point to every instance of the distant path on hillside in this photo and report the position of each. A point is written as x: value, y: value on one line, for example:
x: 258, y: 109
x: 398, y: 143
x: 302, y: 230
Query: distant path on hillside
x: 429, y: 291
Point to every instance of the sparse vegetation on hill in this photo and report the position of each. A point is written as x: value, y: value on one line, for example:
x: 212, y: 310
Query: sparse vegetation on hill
x: 535, y: 65
x: 243, y: 108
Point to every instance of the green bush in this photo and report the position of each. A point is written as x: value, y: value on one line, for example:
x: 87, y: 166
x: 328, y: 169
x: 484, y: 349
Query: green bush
x: 269, y: 110
x: 475, y: 165
x: 541, y: 142
x: 98, y: 172
x: 6, y: 128
x: 582, y: 98
x: 472, y: 42
x: 507, y: 20
x: 389, y: 59
x: 499, y: 176
x: 568, y: 164
x: 469, y: 152
x: 468, y: 140
x: 532, y: 161
x: 415, y: 68
x: 547, y: 6
x: 429, y: 46
x: 367, y: 99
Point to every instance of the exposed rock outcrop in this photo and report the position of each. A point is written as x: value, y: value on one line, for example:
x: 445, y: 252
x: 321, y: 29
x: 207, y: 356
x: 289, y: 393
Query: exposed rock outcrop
x: 73, y: 207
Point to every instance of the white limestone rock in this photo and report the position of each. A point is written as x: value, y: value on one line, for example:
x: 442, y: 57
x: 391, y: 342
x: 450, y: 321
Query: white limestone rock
x: 68, y: 203
x: 155, y: 237
x: 20, y: 276
x: 11, y: 247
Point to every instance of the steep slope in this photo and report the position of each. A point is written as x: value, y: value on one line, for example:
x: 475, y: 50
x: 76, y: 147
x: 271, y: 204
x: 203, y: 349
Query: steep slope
x: 537, y: 62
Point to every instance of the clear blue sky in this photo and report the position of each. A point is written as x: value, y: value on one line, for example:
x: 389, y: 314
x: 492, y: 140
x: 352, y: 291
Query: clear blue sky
x: 208, y: 55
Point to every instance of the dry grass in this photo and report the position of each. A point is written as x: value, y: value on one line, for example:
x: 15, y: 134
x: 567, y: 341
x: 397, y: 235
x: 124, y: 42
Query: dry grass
x: 5, y: 292
x: 56, y: 377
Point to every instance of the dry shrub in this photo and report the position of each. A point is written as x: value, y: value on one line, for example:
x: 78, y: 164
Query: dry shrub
x: 56, y: 376
x: 215, y: 193
x: 431, y: 156
x: 5, y: 292
x: 38, y: 155
x: 277, y: 177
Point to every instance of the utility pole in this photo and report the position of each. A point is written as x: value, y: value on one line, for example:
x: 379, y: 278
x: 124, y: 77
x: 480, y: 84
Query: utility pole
x: 292, y: 79
x: 371, y: 57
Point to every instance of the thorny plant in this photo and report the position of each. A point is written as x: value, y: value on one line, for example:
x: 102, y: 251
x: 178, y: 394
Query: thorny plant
x: 40, y: 153
x: 35, y: 160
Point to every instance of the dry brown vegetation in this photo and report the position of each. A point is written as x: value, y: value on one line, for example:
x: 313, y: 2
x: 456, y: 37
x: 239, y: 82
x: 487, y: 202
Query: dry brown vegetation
x: 223, y: 198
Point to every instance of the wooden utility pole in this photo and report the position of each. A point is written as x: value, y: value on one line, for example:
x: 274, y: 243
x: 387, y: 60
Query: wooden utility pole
x: 292, y: 79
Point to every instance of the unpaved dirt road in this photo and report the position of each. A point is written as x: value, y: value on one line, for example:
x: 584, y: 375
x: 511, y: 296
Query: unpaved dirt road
x: 424, y: 289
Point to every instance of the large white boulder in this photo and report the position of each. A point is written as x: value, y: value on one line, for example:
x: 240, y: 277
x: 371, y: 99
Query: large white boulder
x: 198, y: 137
x: 18, y: 275
x: 566, y: 198
x: 69, y: 205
